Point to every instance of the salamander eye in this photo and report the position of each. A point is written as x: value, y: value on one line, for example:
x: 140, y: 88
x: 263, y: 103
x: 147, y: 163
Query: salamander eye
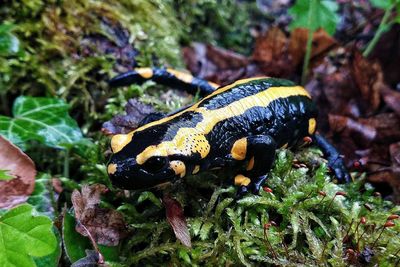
x: 155, y: 164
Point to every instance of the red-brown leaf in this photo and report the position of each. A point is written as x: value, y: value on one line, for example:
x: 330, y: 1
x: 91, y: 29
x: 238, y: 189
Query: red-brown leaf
x: 122, y: 124
x: 106, y: 226
x: 322, y: 43
x: 369, y: 79
x: 177, y: 220
x: 22, y: 168
x: 392, y: 99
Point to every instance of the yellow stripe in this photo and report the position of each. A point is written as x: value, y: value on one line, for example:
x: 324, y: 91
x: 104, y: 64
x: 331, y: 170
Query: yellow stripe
x: 186, y: 77
x: 191, y: 140
x: 146, y: 73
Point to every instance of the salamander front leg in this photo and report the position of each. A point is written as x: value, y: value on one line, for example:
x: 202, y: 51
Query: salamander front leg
x: 335, y: 161
x: 259, y: 150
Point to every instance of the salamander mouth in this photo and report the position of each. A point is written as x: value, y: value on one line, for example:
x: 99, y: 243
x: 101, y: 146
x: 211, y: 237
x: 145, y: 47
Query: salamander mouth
x: 126, y: 174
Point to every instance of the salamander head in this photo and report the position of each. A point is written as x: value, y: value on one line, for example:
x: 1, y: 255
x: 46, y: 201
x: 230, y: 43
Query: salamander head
x: 138, y: 162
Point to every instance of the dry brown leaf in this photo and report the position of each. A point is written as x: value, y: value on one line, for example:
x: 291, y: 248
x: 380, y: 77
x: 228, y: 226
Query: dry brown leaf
x: 322, y: 43
x: 217, y: 64
x: 392, y: 99
x: 369, y: 79
x: 387, y: 126
x: 106, y: 226
x: 177, y: 220
x: 349, y: 127
x: 22, y: 168
x: 271, y: 54
x: 136, y: 111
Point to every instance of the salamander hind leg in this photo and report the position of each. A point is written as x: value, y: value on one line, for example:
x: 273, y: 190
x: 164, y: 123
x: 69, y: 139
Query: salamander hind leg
x: 259, y: 150
x: 335, y: 160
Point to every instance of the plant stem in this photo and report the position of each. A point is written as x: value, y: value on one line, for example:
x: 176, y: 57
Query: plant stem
x: 309, y: 42
x: 381, y: 29
x: 66, y: 163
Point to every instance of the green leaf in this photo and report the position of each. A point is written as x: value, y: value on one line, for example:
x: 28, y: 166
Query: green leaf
x: 323, y: 15
x: 42, y: 119
x: 383, y: 4
x: 23, y: 235
x: 4, y: 176
x: 9, y: 43
x: 146, y: 195
x: 74, y: 243
x: 52, y: 259
x: 41, y: 198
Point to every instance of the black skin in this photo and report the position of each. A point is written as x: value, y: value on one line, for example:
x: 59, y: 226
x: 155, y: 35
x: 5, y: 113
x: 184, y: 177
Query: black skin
x: 262, y: 140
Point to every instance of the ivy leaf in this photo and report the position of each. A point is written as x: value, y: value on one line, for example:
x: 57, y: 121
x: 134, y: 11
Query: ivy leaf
x: 23, y: 235
x: 322, y: 16
x: 9, y: 43
x: 42, y: 119
x: 43, y: 196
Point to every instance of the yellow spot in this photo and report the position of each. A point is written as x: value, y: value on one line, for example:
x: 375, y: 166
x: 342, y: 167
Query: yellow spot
x: 242, y: 180
x: 111, y: 168
x: 285, y: 145
x: 178, y: 167
x: 186, y: 77
x: 192, y: 139
x: 196, y: 169
x: 312, y: 123
x: 250, y: 165
x: 119, y: 141
x: 146, y: 73
x: 239, y: 149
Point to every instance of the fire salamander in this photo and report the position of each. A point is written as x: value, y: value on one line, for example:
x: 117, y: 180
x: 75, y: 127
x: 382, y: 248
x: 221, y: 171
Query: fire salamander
x: 238, y: 126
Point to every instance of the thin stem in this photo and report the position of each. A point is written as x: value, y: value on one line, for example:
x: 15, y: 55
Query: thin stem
x: 66, y: 163
x: 309, y: 42
x: 381, y: 29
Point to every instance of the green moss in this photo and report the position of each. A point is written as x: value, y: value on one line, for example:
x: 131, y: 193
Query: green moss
x: 310, y: 229
x: 223, y: 23
x: 65, y: 43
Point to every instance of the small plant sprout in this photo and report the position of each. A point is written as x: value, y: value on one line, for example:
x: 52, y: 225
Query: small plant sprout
x: 346, y: 236
x: 392, y: 217
x: 323, y: 194
x: 339, y: 193
x: 307, y: 140
x: 388, y: 224
x: 357, y: 164
x: 266, y: 227
x: 363, y: 221
x: 368, y: 207
x: 267, y: 189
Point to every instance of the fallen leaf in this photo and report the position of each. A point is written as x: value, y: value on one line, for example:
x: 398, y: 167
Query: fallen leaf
x: 387, y: 52
x: 217, y: 64
x: 350, y: 127
x: 136, y: 111
x: 386, y: 126
x: 106, y: 226
x: 322, y: 43
x: 391, y: 98
x: 177, y: 220
x: 22, y: 170
x: 369, y: 78
x: 271, y: 54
